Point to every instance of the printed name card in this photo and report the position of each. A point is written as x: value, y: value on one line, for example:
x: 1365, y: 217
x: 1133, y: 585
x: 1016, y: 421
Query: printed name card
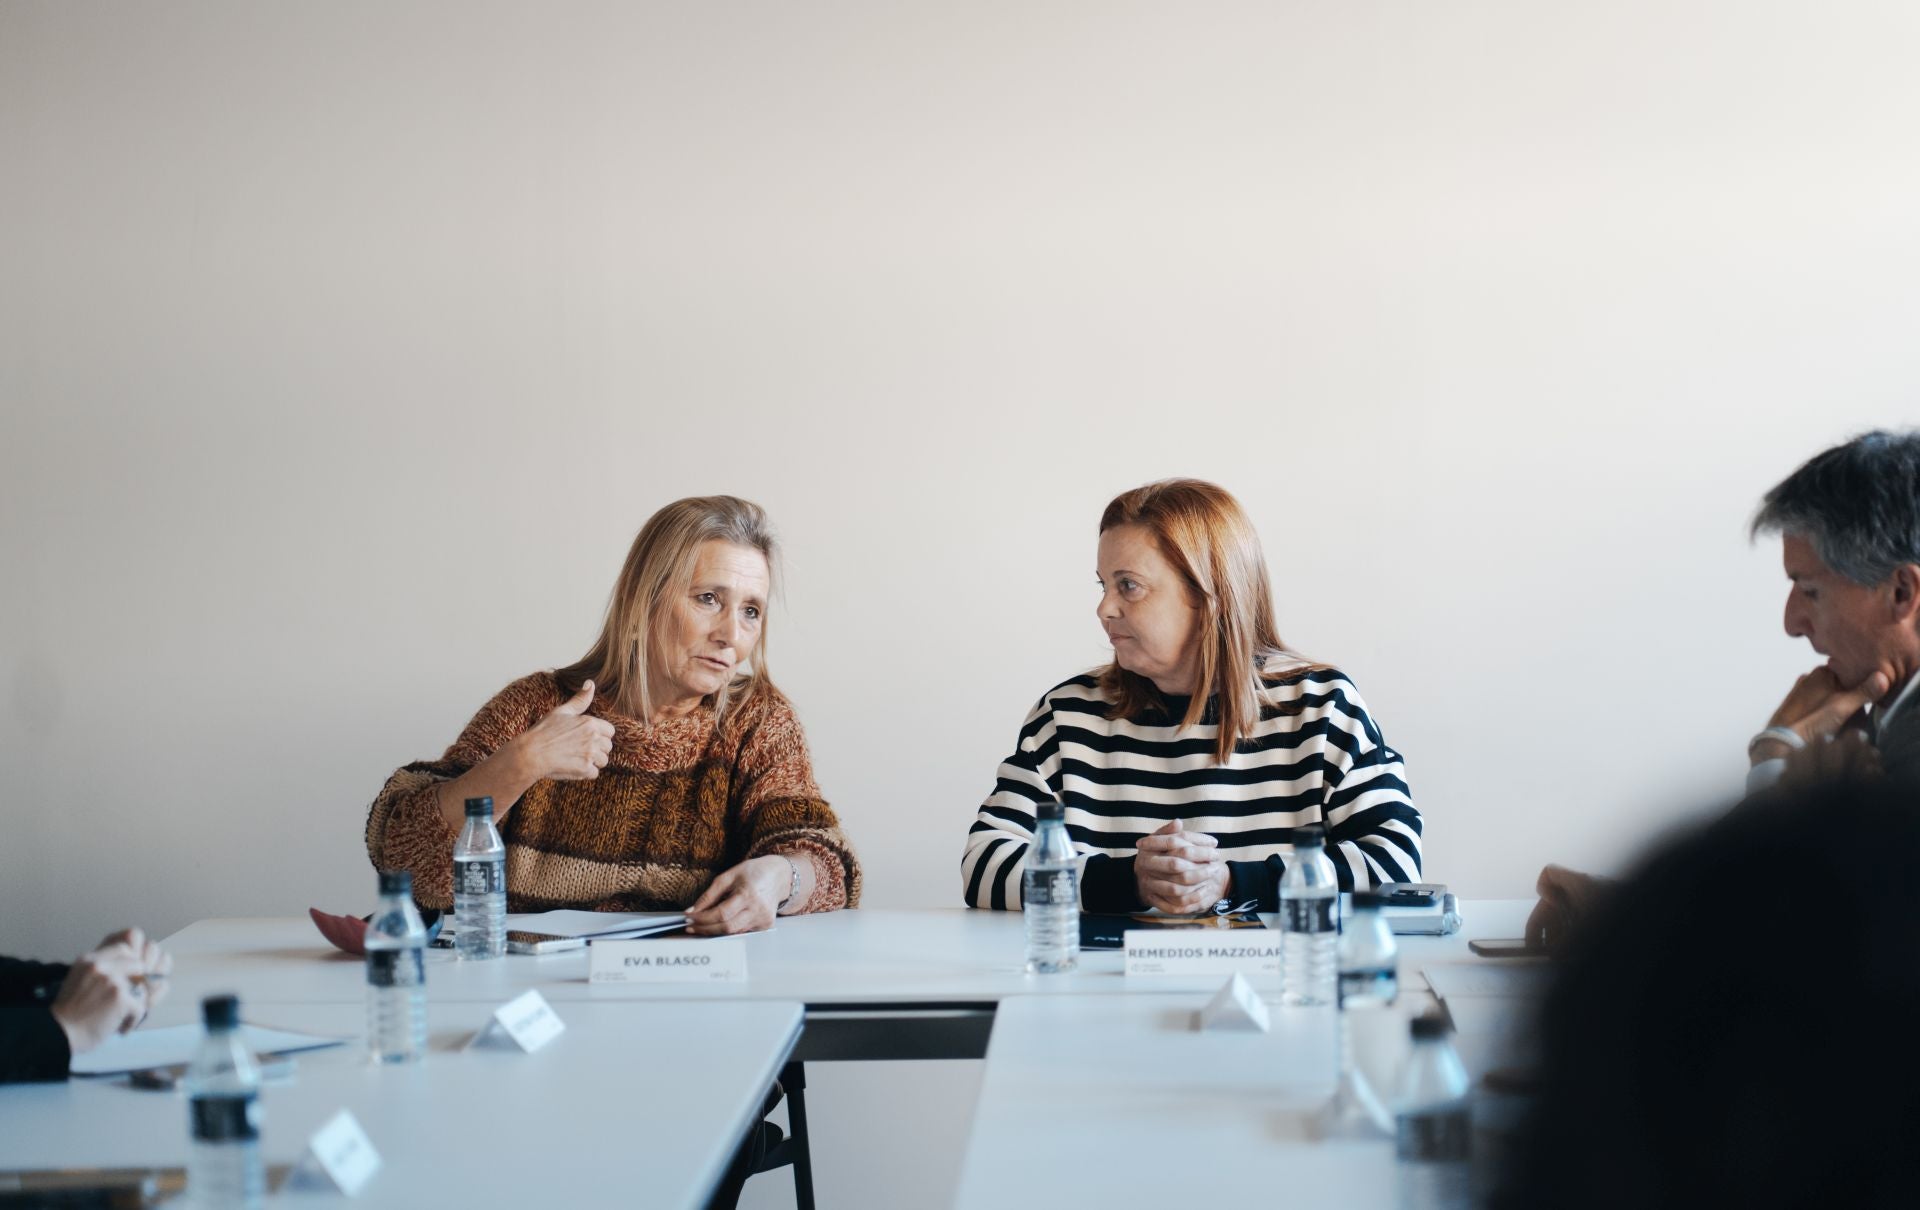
x: 1234, y: 1006
x: 339, y: 1156
x: 719, y: 960
x: 526, y: 1022
x: 1203, y: 951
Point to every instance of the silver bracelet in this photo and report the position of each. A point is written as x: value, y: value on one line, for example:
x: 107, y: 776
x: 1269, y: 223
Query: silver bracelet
x: 1785, y: 735
x: 793, y: 888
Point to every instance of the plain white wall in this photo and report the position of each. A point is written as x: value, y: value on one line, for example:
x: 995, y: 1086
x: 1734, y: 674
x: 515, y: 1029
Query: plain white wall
x: 344, y: 347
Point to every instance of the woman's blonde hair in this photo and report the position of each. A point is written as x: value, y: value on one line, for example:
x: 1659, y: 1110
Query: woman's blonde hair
x: 1202, y: 531
x: 659, y: 565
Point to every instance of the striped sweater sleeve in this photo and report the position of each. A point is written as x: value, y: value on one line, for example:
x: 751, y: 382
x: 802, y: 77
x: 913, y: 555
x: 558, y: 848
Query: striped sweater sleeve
x: 995, y: 856
x: 1373, y: 829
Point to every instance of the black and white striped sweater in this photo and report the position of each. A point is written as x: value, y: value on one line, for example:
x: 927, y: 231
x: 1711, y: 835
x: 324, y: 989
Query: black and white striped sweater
x: 1316, y: 757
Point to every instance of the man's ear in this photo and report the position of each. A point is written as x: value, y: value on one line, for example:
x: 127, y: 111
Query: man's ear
x: 1906, y: 593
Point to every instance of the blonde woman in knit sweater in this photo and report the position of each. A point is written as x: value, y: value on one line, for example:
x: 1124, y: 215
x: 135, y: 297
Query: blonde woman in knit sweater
x: 654, y: 773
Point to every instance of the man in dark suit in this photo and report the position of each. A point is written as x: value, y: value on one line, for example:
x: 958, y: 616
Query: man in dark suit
x: 51, y: 1011
x: 1849, y: 526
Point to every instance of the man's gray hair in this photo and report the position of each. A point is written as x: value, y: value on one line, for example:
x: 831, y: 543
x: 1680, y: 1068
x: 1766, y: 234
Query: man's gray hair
x: 1857, y: 503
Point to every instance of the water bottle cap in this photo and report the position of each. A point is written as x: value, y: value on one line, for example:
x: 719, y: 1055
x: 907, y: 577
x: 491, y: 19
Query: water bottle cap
x: 1051, y: 810
x: 220, y: 1012
x: 396, y: 882
x: 1427, y: 1028
x: 480, y: 806
x: 1370, y: 900
x: 1310, y: 836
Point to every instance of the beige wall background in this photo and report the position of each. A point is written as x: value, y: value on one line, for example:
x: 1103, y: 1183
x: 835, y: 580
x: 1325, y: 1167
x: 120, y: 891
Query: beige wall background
x: 344, y: 347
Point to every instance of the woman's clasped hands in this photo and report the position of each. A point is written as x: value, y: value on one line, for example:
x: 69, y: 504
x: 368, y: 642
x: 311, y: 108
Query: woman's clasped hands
x: 1180, y: 872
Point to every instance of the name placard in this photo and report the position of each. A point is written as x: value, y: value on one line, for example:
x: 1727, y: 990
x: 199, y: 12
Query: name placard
x: 526, y: 1022
x: 339, y: 1156
x: 719, y: 960
x: 1202, y: 951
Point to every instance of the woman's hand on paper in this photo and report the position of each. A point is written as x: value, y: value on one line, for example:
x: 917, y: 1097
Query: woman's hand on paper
x: 744, y: 899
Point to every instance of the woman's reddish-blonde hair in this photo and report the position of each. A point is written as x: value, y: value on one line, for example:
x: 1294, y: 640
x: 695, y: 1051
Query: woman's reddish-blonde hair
x: 1204, y: 533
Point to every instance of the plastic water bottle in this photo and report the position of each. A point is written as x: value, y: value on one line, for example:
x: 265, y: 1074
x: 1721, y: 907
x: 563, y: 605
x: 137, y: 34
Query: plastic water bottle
x: 1050, y: 896
x: 1433, y: 1123
x: 1309, y: 921
x: 480, y: 885
x: 396, y: 974
x: 1369, y: 962
x: 224, y: 1171
x: 1369, y: 957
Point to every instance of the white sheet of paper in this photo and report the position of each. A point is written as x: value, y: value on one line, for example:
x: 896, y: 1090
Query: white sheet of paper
x: 173, y: 1046
x: 1494, y: 1016
x: 568, y: 922
x: 1511, y: 977
x: 1494, y: 1031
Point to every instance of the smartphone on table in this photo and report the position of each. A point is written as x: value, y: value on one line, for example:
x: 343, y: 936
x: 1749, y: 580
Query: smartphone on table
x: 519, y: 941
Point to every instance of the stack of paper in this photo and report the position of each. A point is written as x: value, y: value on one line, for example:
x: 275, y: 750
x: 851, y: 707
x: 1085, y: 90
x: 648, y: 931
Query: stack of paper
x: 596, y: 926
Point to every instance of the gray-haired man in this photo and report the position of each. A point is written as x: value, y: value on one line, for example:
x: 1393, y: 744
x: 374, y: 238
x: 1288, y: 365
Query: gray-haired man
x: 1849, y: 523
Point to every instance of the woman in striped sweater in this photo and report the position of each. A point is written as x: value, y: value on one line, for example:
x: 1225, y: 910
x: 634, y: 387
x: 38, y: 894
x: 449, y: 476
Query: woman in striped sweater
x: 1188, y: 763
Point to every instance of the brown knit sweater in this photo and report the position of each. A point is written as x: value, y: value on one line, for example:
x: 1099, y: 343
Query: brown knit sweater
x: 677, y: 804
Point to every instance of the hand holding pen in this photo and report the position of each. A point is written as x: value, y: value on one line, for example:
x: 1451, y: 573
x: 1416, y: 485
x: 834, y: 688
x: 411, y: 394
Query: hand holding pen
x: 111, y: 989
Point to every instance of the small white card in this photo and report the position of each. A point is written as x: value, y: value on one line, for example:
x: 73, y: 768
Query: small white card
x: 339, y: 1156
x: 719, y: 960
x: 526, y: 1022
x: 1203, y: 951
x: 1234, y: 1006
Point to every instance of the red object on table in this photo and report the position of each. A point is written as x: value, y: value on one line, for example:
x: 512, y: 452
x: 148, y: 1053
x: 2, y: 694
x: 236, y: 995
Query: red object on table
x: 347, y: 933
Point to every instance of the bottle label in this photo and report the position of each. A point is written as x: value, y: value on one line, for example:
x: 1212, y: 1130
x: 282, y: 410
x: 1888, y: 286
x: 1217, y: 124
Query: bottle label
x: 1375, y: 985
x: 1308, y: 915
x: 396, y: 968
x: 228, y: 1119
x: 479, y: 877
x: 1050, y: 888
x: 1443, y: 1136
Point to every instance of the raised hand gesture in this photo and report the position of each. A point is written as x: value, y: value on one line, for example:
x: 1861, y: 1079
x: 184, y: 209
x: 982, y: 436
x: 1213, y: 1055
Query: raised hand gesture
x: 568, y: 744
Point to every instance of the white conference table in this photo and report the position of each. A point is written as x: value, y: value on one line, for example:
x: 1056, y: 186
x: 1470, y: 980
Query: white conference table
x: 1121, y: 1102
x: 1112, y: 1057
x: 635, y: 1104
x: 877, y: 983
